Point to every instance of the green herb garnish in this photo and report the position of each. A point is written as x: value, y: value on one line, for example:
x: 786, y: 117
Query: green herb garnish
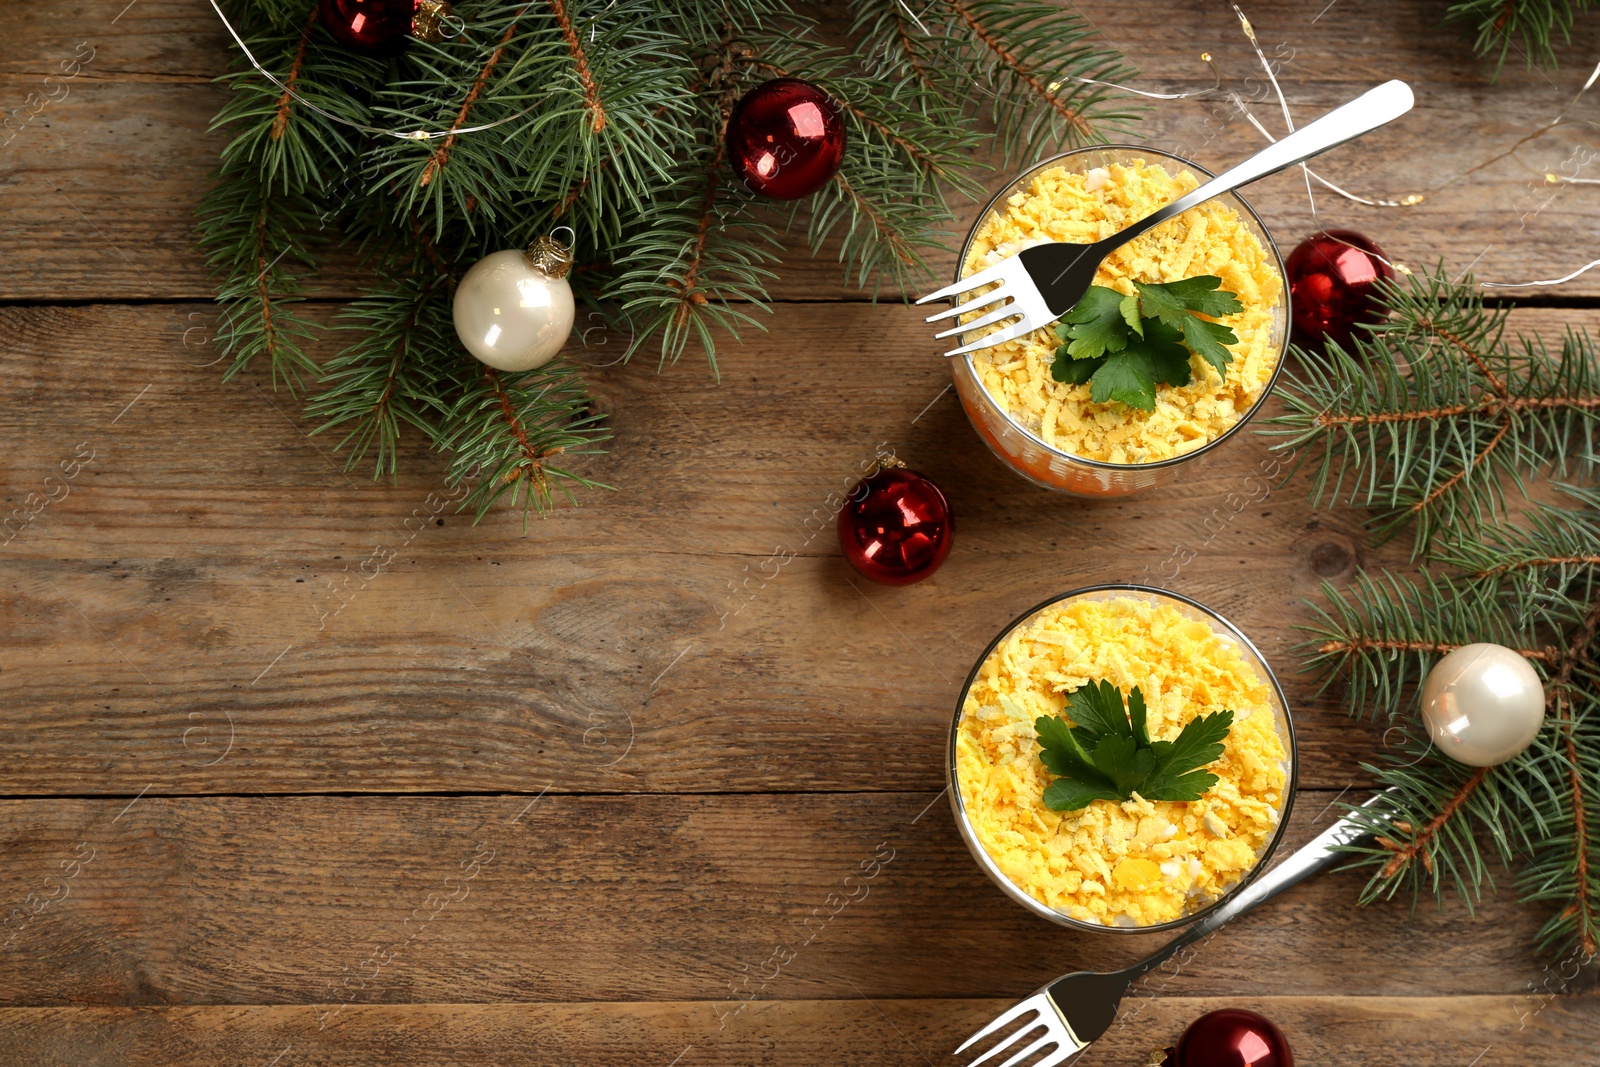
x: 1127, y: 345
x: 1108, y: 754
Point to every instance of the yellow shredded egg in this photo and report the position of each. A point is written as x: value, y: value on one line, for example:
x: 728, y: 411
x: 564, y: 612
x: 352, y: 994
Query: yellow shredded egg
x: 1209, y: 239
x: 1137, y: 862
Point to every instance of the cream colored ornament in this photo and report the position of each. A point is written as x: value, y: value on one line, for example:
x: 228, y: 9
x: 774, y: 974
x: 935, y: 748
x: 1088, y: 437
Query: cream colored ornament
x: 513, y: 310
x: 1483, y: 704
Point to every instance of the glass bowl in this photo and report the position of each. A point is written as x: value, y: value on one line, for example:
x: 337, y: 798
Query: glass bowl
x: 1280, y: 710
x: 1024, y: 451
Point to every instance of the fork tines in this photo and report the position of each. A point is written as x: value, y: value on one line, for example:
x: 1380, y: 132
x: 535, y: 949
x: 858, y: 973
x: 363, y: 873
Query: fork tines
x: 1056, y: 1033
x: 1016, y: 294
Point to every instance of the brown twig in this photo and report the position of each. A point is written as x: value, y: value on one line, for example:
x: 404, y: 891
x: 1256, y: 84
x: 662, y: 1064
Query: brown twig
x: 909, y: 48
x: 1560, y: 693
x: 1494, y: 406
x: 382, y: 403
x: 1073, y: 118
x: 1368, y: 644
x: 431, y: 251
x: 1465, y: 349
x: 687, y: 293
x: 281, y: 123
x: 1541, y: 561
x: 578, y: 190
x: 591, y: 91
x: 1404, y: 854
x: 534, y: 457
x: 1326, y: 419
x: 1472, y: 465
x: 441, y: 155
x: 886, y: 232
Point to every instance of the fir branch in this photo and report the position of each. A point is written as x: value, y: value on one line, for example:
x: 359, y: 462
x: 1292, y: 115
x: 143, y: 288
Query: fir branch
x: 1382, y: 634
x: 255, y: 239
x: 511, y: 437
x: 386, y: 379
x: 1427, y: 827
x: 904, y: 145
x: 1427, y: 415
x: 1564, y: 695
x: 1019, y: 70
x: 1038, y: 62
x: 1367, y: 644
x: 580, y: 63
x: 705, y: 258
x: 1501, y: 24
x: 609, y: 116
x: 1419, y: 843
x: 441, y: 155
x: 1430, y: 414
x: 281, y: 123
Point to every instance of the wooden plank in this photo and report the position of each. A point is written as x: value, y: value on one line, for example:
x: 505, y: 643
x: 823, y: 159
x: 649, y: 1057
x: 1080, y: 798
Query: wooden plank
x: 1322, y: 1031
x: 329, y: 900
x: 206, y: 568
x: 78, y: 229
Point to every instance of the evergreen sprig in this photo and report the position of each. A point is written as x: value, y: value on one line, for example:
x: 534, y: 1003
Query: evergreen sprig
x: 612, y: 119
x: 1428, y: 418
x: 1431, y: 413
x: 1501, y: 24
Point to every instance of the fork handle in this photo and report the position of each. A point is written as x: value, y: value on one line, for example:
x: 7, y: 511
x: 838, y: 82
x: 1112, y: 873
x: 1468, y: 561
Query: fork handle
x: 1319, y: 854
x: 1362, y: 115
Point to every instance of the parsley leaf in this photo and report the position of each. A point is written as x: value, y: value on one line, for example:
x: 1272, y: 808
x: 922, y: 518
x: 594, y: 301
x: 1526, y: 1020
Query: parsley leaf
x: 1122, y: 761
x: 1070, y: 794
x: 1172, y: 302
x: 1180, y: 760
x: 1105, y: 753
x: 1132, y: 375
x: 1073, y: 371
x: 1207, y: 339
x: 1098, y: 709
x: 1130, y: 313
x: 1128, y: 345
x: 1095, y: 325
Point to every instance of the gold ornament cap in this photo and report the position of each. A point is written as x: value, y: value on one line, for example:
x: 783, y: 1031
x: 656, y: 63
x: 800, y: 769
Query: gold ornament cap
x: 550, y: 254
x: 427, y: 22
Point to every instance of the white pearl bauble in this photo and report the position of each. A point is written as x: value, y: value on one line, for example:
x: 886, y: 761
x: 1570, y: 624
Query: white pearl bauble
x: 1483, y: 704
x: 512, y: 315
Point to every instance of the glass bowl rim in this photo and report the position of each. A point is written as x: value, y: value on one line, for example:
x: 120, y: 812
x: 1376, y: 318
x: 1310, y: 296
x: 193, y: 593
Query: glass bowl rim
x: 1272, y: 246
x: 1011, y: 889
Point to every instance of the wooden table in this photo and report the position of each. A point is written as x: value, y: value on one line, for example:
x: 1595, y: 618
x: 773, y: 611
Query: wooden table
x: 541, y: 795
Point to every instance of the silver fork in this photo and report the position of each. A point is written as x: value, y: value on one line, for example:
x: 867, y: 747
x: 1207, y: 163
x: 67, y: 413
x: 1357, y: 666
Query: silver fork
x: 1042, y: 283
x: 1076, y: 1009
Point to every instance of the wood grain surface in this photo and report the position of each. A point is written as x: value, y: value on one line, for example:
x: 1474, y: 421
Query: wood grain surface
x: 556, y: 793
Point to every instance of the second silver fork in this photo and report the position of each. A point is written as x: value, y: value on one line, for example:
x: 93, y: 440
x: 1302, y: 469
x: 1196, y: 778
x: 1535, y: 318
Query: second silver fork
x: 1077, y: 1008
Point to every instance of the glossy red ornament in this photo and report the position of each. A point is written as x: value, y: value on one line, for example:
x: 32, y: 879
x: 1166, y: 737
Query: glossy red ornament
x: 785, y: 138
x: 1232, y: 1037
x: 1331, y: 280
x: 895, y: 526
x: 370, y: 27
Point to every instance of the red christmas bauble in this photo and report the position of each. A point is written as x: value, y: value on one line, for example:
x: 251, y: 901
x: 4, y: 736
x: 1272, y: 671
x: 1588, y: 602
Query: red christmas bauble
x: 1331, y: 280
x: 370, y: 27
x: 895, y: 526
x: 785, y: 138
x: 1233, y: 1037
